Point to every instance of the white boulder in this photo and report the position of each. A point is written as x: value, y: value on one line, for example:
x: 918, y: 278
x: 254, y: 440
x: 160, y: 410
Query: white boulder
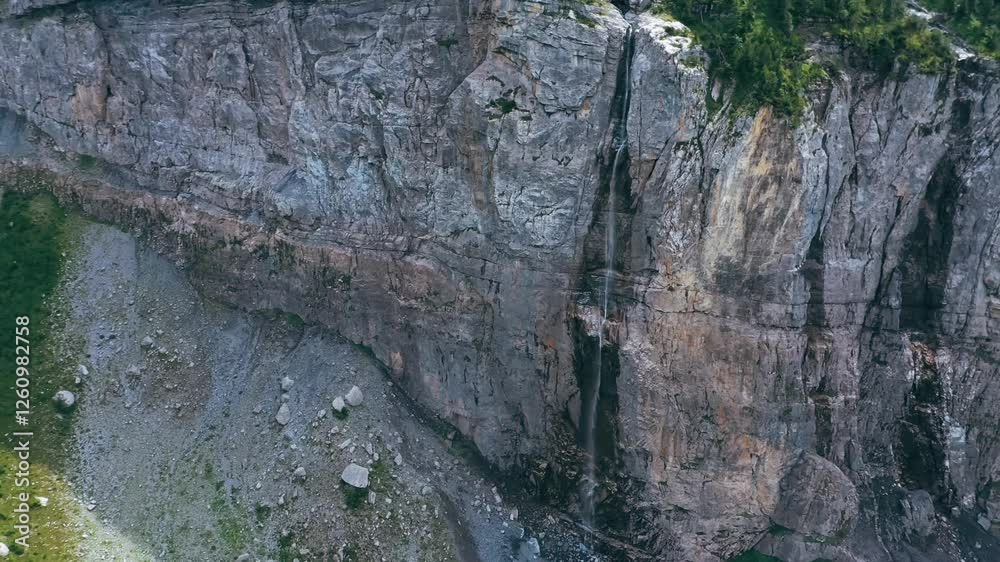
x: 355, y: 397
x: 65, y: 399
x: 284, y: 415
x: 355, y: 475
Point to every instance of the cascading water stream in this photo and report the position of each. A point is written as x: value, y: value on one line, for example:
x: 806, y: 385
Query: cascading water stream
x: 591, y: 401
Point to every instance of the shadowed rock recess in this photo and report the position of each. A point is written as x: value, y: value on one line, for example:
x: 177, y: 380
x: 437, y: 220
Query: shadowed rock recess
x: 800, y: 351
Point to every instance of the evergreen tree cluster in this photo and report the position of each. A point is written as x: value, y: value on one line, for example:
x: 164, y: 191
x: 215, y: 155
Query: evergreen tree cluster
x: 976, y: 21
x: 758, y: 46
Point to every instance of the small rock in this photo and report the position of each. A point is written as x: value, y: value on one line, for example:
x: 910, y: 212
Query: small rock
x: 284, y: 415
x: 355, y: 397
x: 82, y: 369
x: 398, y: 460
x: 65, y: 399
x: 321, y: 414
x: 43, y: 501
x: 338, y: 404
x: 300, y: 473
x: 286, y: 384
x: 4, y: 550
x: 91, y: 506
x: 345, y: 444
x: 984, y: 522
x: 533, y: 547
x: 355, y: 475
x: 243, y: 558
x: 426, y: 490
x: 147, y: 342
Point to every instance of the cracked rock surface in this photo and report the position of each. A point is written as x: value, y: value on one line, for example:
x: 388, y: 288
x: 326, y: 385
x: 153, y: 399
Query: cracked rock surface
x: 804, y: 317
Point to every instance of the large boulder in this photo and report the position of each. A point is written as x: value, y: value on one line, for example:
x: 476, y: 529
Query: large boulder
x: 355, y: 397
x: 355, y: 475
x: 64, y: 399
x: 817, y: 500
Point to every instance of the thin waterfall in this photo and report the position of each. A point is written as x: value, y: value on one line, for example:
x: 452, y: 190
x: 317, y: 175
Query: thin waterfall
x: 590, y: 401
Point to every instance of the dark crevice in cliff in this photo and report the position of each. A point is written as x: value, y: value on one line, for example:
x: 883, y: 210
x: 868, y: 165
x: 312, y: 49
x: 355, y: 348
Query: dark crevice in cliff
x: 911, y: 296
x: 818, y: 344
x: 922, y: 458
x: 910, y: 299
x: 622, y: 5
x: 923, y: 272
x: 605, y: 384
x: 813, y: 270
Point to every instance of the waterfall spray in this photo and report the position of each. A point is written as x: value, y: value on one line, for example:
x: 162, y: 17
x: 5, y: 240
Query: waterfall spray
x: 590, y: 402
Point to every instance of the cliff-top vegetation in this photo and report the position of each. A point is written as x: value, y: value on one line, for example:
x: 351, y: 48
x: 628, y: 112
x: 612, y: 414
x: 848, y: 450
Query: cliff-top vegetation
x: 759, y: 46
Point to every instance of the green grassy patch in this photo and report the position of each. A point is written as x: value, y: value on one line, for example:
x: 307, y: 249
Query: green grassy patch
x: 53, y: 538
x: 754, y: 556
x: 262, y: 512
x: 294, y: 320
x: 503, y: 105
x: 34, y: 235
x: 354, y: 498
x: 86, y: 162
x: 230, y: 525
x: 586, y: 20
x: 380, y: 476
x: 380, y: 481
x: 285, y: 542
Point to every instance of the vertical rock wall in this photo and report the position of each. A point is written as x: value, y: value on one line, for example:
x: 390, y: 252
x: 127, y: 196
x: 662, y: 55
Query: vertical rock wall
x: 803, y: 313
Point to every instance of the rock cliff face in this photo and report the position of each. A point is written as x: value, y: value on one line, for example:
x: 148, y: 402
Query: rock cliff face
x: 799, y: 355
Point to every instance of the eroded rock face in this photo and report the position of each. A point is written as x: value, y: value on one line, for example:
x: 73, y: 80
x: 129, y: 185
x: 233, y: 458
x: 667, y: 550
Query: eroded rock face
x: 817, y: 500
x: 422, y: 174
x: 800, y: 335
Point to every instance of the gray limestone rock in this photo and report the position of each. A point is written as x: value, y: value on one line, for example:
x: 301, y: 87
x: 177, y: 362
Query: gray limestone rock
x: 284, y: 415
x: 355, y: 475
x: 354, y: 396
x: 803, y: 314
x: 817, y: 500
